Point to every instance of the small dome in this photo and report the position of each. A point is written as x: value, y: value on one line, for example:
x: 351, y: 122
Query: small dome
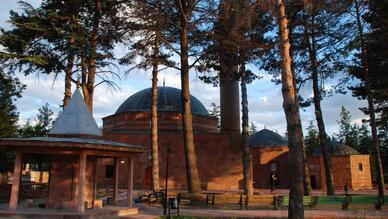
x: 267, y: 138
x: 169, y: 100
x: 337, y: 149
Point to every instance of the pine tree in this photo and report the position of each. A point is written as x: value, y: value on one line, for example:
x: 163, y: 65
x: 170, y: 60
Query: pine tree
x: 372, y: 59
x: 10, y: 90
x: 291, y: 110
x: 252, y: 129
x: 311, y: 140
x: 345, y: 126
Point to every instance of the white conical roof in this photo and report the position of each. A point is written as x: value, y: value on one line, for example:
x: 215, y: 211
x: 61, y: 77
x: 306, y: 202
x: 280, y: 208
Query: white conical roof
x: 76, y: 119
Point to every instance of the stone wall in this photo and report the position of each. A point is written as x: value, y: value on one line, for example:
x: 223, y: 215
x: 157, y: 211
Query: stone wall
x: 219, y: 163
x: 345, y: 172
x: 262, y: 158
x: 136, y: 122
x: 360, y: 170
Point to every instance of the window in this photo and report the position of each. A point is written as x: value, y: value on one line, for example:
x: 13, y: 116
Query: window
x: 360, y: 167
x: 109, y: 171
x: 274, y: 167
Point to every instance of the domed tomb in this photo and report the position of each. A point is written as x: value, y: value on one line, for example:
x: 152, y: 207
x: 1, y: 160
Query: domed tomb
x: 337, y: 149
x: 134, y: 114
x: 267, y: 138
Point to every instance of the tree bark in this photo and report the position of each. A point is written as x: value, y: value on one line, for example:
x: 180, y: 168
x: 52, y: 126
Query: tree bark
x: 154, y: 118
x: 89, y: 79
x: 70, y: 61
x: 317, y: 105
x: 306, y: 174
x: 247, y: 161
x: 372, y: 121
x: 294, y: 127
x: 193, y: 180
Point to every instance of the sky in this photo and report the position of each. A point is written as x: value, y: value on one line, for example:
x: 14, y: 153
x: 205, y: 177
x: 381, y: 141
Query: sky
x: 264, y: 97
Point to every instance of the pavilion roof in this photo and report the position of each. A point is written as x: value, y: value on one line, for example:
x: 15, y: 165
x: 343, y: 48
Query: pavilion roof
x: 76, y: 119
x: 69, y: 143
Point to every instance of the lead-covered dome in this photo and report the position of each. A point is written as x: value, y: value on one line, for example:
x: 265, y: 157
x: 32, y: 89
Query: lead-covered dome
x: 169, y: 100
x: 337, y: 149
x: 267, y: 138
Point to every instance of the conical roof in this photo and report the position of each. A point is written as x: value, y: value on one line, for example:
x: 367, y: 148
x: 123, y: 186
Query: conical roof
x: 337, y: 149
x: 76, y: 119
x: 267, y: 138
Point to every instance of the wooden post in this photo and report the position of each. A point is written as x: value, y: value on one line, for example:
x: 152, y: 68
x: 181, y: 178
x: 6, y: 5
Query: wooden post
x: 130, y: 182
x: 81, y: 183
x: 13, y: 202
x: 116, y: 181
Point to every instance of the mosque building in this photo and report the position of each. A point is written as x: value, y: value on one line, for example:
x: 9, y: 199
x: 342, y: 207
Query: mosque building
x: 219, y: 156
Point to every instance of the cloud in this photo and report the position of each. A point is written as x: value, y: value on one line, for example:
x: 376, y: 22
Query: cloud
x: 265, y: 98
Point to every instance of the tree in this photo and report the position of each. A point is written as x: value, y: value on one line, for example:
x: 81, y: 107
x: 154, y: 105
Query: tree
x: 149, y: 25
x: 311, y: 140
x: 344, y: 126
x: 252, y: 129
x: 43, y: 124
x: 50, y: 38
x: 10, y: 90
x: 186, y: 17
x: 238, y: 39
x: 215, y: 111
x: 291, y: 110
x: 370, y: 71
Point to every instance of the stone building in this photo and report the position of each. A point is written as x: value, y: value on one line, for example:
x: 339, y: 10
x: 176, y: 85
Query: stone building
x: 218, y: 153
x: 350, y: 168
x: 269, y: 159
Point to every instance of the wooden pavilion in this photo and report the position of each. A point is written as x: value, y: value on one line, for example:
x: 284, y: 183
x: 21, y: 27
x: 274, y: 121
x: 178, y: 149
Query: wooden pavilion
x: 73, y: 146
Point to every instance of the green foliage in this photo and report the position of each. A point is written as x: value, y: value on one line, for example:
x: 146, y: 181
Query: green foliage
x: 215, y: 111
x: 377, y: 58
x: 43, y: 123
x: 237, y: 39
x: 252, y: 129
x: 10, y: 90
x: 356, y: 136
x: 312, y: 139
x: 345, y: 127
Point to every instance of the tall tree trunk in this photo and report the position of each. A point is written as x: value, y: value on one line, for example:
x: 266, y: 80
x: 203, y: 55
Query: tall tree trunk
x: 70, y: 61
x: 294, y: 127
x: 68, y: 75
x: 88, y: 82
x: 323, y: 143
x: 372, y: 121
x: 193, y: 180
x: 247, y: 162
x: 154, y: 118
x: 306, y: 174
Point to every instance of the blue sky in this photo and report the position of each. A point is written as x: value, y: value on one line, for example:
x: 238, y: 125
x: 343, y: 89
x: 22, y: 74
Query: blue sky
x: 265, y: 99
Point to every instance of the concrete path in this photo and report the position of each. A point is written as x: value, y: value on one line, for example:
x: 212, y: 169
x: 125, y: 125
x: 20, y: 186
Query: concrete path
x: 146, y: 212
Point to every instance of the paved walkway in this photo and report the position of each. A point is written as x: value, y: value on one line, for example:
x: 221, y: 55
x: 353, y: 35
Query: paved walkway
x: 146, y: 212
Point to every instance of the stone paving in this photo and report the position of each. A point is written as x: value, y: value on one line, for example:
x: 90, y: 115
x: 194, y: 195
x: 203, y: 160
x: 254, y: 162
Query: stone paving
x: 146, y: 212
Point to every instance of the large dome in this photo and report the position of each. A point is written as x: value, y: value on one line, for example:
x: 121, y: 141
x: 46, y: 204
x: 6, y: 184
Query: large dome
x: 169, y: 100
x: 267, y: 138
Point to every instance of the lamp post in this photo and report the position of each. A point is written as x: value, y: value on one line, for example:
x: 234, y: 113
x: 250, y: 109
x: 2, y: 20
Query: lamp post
x: 169, y: 151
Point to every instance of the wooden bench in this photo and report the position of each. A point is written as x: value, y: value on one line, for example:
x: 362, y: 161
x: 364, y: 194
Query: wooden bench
x: 308, y: 201
x: 368, y: 200
x: 332, y: 200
